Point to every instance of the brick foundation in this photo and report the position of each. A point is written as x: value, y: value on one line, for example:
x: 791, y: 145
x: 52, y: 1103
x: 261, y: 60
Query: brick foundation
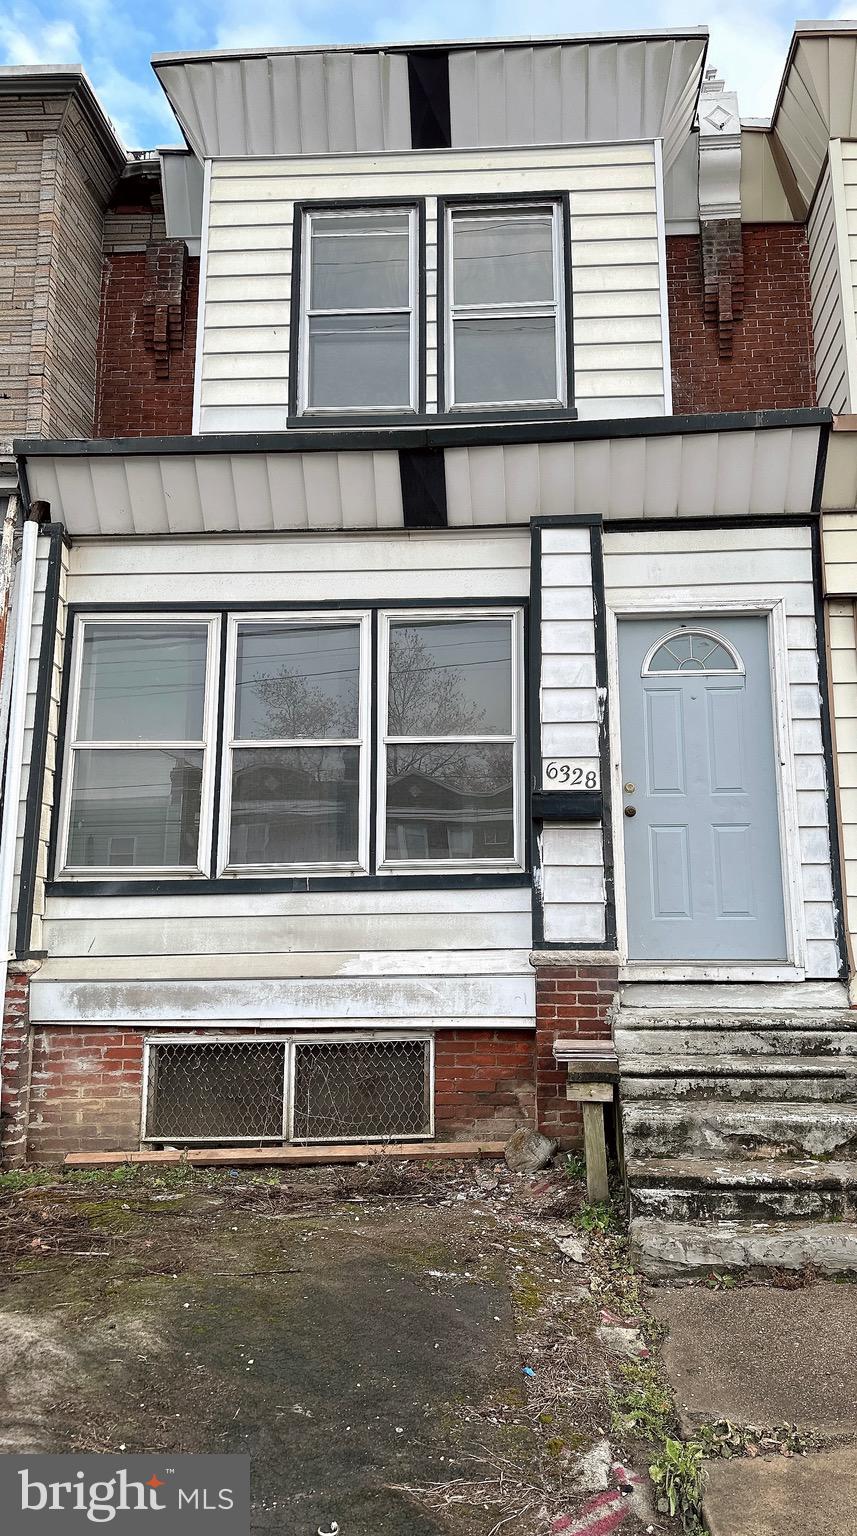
x: 771, y: 362
x: 484, y: 1083
x: 570, y: 1000
x: 15, y: 1105
x: 85, y: 1092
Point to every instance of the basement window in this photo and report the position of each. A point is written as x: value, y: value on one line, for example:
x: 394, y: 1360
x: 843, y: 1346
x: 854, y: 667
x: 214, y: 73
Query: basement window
x: 259, y: 1088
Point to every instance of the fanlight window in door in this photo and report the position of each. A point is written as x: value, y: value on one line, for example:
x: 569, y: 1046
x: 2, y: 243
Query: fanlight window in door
x: 692, y: 650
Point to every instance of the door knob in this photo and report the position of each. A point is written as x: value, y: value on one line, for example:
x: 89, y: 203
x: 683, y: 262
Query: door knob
x: 630, y: 810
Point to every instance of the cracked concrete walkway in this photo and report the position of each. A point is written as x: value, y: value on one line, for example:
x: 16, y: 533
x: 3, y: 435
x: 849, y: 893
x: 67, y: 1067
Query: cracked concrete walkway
x: 762, y: 1356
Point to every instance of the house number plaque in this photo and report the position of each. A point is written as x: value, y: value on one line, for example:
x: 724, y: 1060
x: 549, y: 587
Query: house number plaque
x: 570, y: 773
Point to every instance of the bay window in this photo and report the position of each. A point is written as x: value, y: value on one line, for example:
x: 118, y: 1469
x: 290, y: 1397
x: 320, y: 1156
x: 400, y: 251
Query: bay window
x: 505, y: 322
x: 358, y: 321
x: 293, y: 743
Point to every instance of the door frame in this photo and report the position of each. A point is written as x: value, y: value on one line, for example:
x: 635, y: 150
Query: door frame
x: 793, y: 968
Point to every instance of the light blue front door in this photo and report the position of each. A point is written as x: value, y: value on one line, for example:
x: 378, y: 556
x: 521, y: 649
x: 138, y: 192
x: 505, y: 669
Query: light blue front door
x: 703, y: 871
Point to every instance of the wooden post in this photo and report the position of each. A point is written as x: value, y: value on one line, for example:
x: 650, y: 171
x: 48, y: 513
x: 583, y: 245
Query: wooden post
x: 593, y: 1096
x: 595, y: 1149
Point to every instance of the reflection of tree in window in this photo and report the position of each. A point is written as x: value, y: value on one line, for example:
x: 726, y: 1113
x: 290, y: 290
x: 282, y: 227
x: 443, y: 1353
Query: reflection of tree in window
x: 449, y: 799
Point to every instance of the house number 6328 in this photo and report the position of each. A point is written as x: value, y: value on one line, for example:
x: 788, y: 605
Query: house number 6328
x: 563, y: 772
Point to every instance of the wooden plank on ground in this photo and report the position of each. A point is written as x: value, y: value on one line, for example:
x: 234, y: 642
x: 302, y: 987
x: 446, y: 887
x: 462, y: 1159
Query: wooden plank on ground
x: 290, y: 1157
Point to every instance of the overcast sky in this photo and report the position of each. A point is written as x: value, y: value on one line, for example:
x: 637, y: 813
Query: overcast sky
x: 114, y: 39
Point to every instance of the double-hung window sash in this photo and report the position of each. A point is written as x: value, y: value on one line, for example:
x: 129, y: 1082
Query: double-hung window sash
x: 359, y: 302
x: 295, y: 782
x: 505, y: 313
x: 139, y: 772
x: 450, y: 772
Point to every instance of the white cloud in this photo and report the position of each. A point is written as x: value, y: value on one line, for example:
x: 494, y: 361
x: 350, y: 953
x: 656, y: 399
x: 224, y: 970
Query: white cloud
x: 49, y: 42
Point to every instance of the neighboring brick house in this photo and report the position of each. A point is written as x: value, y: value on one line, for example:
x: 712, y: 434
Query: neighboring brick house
x: 429, y: 668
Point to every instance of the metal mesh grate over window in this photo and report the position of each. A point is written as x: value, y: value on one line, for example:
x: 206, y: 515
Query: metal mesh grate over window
x: 361, y: 1090
x: 215, y: 1090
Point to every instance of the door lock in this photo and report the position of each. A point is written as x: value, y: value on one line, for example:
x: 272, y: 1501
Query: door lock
x: 630, y: 810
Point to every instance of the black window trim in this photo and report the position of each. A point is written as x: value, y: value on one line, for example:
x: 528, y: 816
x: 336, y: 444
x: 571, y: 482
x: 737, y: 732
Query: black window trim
x: 212, y: 884
x: 345, y: 417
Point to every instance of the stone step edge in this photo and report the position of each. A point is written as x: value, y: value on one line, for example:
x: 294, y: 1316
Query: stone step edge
x: 704, y: 1064
x: 809, y: 1019
x: 670, y: 1110
x: 676, y: 1250
x: 780, y: 1174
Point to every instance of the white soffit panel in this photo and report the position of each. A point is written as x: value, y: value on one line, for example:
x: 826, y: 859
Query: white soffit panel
x: 280, y: 103
x: 768, y: 472
x: 219, y: 493
x: 578, y: 91
x: 818, y: 98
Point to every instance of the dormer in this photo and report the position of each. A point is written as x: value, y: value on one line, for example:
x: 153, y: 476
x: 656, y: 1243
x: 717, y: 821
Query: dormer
x: 449, y: 232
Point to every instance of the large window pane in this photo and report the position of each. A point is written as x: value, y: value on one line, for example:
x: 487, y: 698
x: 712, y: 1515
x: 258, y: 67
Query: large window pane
x: 135, y: 807
x: 450, y: 802
x: 294, y: 805
x: 297, y: 681
x: 142, y: 682
x: 450, y: 678
x: 359, y: 361
x: 500, y: 260
x: 355, y: 270
x: 505, y: 358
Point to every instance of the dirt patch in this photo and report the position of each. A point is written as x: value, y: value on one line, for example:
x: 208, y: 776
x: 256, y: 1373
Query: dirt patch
x: 401, y: 1349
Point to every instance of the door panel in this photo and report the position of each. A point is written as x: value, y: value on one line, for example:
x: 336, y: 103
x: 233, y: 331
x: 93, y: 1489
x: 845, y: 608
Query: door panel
x: 703, y: 867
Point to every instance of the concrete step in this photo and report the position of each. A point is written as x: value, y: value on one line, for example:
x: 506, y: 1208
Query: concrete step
x: 822, y: 1079
x: 694, y: 1189
x: 681, y: 1250
x: 638, y: 1033
x: 752, y: 996
x: 714, y: 1127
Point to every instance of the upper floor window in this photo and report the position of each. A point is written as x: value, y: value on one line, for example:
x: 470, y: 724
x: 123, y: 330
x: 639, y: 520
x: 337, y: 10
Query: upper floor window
x: 505, y: 323
x: 358, y: 344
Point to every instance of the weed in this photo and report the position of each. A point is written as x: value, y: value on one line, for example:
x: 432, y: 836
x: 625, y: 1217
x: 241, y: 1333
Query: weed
x: 574, y: 1166
x: 644, y: 1405
x: 720, y: 1282
x: 678, y: 1476
x: 723, y: 1438
x: 596, y: 1218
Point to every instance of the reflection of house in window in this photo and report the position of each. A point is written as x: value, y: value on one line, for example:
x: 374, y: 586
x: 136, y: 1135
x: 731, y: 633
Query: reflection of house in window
x: 430, y: 820
x: 294, y: 806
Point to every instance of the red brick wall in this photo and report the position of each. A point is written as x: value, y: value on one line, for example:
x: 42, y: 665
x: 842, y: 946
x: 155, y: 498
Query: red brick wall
x: 16, y: 1069
x: 85, y: 1092
x: 131, y: 401
x: 570, y: 1000
x: 484, y: 1083
x: 771, y: 367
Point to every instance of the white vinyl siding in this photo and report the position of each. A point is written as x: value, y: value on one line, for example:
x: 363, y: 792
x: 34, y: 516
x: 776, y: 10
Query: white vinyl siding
x: 52, y: 735
x: 572, y: 868
x: 617, y: 300
x: 754, y: 564
x: 843, y: 677
x: 833, y: 322
x: 445, y: 958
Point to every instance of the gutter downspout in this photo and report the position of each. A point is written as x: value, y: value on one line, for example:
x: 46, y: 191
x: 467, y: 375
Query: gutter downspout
x: 15, y: 740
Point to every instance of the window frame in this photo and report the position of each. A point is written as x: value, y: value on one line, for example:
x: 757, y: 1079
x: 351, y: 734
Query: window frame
x: 303, y: 312
x: 736, y: 670
x: 516, y: 736
x: 296, y: 619
x: 208, y: 878
x: 561, y: 307
x: 207, y: 746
